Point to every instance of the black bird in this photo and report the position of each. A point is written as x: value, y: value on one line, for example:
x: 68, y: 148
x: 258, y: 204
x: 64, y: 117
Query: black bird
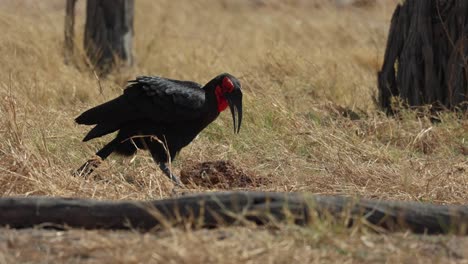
x: 160, y: 115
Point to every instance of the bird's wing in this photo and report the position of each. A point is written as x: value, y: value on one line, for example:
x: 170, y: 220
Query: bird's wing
x: 150, y: 98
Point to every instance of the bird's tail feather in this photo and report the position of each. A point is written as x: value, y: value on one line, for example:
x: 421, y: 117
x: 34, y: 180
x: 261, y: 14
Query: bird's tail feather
x: 100, y: 130
x: 109, y: 112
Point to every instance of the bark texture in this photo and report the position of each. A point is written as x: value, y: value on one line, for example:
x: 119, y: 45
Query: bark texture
x: 426, y: 56
x: 210, y: 210
x: 109, y: 34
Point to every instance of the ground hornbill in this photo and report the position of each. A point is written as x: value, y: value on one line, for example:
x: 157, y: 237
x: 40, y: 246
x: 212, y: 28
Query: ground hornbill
x: 160, y: 115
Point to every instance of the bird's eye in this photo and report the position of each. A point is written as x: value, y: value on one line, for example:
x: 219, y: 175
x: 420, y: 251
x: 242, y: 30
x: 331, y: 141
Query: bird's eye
x: 227, y: 85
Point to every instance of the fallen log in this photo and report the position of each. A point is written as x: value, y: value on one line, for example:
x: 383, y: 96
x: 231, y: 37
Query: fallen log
x: 210, y: 210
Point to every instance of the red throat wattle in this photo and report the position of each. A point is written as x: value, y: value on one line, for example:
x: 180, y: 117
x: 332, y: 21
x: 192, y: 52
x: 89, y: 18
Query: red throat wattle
x: 226, y: 87
x: 222, y: 102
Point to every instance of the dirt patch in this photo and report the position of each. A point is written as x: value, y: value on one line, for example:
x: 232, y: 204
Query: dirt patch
x: 219, y: 174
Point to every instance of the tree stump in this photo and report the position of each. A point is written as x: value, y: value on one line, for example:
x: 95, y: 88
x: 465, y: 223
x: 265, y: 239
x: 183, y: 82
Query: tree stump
x: 109, y: 34
x: 69, y: 30
x: 425, y: 60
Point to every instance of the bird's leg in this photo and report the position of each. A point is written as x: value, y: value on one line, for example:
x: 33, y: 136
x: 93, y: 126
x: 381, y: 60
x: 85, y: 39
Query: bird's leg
x: 162, y: 165
x: 167, y: 171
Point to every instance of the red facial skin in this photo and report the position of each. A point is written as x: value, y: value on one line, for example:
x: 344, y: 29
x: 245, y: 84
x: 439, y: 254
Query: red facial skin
x: 226, y: 87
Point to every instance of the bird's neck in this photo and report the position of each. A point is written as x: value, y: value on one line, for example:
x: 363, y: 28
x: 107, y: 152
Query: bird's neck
x: 215, y: 97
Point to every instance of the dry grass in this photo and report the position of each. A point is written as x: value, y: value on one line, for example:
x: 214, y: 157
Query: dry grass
x: 300, y: 63
x: 228, y: 245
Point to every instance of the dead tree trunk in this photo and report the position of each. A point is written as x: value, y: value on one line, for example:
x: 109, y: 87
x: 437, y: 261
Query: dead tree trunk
x: 69, y: 30
x: 426, y: 55
x: 231, y: 208
x: 109, y: 34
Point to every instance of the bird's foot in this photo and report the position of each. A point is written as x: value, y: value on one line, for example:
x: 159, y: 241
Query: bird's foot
x: 178, y: 185
x: 176, y: 180
x: 171, y: 176
x: 88, y: 167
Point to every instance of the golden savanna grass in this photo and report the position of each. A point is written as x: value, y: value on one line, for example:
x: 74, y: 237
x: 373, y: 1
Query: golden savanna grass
x: 303, y: 66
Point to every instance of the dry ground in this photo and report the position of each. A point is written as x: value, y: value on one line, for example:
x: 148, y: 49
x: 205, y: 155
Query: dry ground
x: 303, y: 65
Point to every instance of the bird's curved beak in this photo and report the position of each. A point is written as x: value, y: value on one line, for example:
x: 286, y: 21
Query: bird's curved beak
x: 235, y: 105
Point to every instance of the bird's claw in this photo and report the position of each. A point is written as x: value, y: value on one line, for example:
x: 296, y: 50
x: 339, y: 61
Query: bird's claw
x: 88, y: 167
x: 176, y: 181
x: 169, y: 174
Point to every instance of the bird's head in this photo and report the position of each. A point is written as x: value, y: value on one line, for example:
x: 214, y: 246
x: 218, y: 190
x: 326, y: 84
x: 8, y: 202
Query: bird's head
x: 227, y: 89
